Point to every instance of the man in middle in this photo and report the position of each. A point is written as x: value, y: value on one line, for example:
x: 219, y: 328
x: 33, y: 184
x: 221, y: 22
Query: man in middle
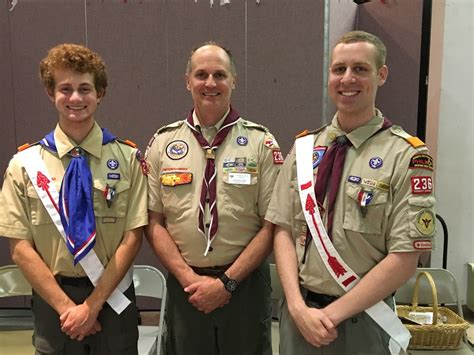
x: 210, y: 182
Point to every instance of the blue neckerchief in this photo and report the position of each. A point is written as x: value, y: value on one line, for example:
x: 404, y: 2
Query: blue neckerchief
x: 76, y: 206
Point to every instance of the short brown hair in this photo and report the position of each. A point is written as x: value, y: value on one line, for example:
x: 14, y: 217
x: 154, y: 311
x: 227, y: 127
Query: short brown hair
x: 362, y: 36
x: 211, y: 43
x: 77, y: 58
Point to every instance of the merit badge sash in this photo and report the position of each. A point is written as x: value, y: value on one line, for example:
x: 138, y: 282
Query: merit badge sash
x: 346, y: 278
x: 36, y: 170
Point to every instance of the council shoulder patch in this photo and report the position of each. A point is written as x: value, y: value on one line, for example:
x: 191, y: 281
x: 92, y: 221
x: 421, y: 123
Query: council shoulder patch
x: 425, y: 222
x: 421, y: 161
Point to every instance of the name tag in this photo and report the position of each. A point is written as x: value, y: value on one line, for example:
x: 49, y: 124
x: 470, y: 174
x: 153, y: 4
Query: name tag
x: 239, y: 178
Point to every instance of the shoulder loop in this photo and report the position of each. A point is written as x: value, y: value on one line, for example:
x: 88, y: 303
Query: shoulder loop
x: 306, y: 132
x: 170, y: 126
x: 127, y: 142
x: 251, y: 124
x: 415, y: 142
x: 26, y: 146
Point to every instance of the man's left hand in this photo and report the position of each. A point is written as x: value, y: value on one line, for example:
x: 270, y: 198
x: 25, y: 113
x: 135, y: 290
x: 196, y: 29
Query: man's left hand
x: 207, y: 294
x: 79, y: 321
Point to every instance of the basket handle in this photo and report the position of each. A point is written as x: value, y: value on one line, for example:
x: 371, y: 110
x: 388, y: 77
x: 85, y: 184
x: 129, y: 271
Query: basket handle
x: 433, y: 294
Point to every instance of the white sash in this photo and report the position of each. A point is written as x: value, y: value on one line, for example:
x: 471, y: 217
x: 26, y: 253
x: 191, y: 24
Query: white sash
x: 381, y: 313
x: 33, y: 164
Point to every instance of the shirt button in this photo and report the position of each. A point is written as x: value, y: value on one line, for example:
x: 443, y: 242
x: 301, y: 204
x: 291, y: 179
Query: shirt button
x: 211, y: 248
x: 207, y: 225
x: 207, y: 200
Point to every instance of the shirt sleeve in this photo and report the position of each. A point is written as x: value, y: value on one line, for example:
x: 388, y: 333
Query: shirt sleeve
x: 281, y: 208
x: 153, y: 159
x: 411, y: 225
x: 137, y: 212
x: 15, y: 216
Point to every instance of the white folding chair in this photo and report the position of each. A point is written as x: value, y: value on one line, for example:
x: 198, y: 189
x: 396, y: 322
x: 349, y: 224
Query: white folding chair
x: 12, y: 282
x: 447, y: 290
x: 150, y: 282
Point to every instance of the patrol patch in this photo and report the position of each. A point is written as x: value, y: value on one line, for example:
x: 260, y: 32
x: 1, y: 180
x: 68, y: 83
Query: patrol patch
x: 174, y: 179
x: 375, y: 162
x: 422, y: 244
x: 318, y: 154
x: 277, y: 156
x: 425, y: 222
x: 241, y: 140
x: 177, y: 150
x: 112, y: 164
x: 421, y: 185
x: 354, y: 179
x: 421, y: 161
x: 113, y: 176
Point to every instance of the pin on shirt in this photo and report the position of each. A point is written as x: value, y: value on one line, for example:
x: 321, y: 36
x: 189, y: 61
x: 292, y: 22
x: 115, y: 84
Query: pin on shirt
x: 364, y: 198
x: 109, y: 194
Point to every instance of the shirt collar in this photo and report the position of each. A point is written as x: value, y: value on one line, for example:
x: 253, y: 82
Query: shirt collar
x: 358, y: 136
x: 217, y: 126
x: 91, y: 144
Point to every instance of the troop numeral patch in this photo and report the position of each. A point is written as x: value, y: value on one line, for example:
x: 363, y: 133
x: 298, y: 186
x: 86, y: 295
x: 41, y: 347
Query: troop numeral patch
x: 421, y: 185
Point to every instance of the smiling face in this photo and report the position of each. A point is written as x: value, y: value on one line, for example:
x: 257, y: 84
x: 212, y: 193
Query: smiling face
x: 210, y: 81
x: 354, y: 79
x: 75, y: 98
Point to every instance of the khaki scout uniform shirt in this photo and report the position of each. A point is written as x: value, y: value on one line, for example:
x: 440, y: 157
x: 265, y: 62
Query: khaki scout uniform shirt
x: 26, y: 218
x: 399, y: 218
x: 177, y: 163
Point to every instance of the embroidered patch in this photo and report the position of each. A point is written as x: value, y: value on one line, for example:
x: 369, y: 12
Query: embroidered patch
x: 318, y: 153
x: 112, y: 164
x: 277, y: 157
x: 174, y: 179
x: 177, y: 150
x: 383, y: 186
x: 303, y: 235
x: 425, y: 222
x: 421, y: 161
x: 369, y: 183
x: 421, y: 185
x: 241, y: 140
x: 113, y: 176
x: 375, y: 162
x: 354, y: 179
x: 270, y: 142
x: 106, y: 220
x: 422, y: 244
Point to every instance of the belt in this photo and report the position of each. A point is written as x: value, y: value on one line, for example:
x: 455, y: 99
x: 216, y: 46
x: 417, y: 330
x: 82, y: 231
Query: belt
x: 82, y: 282
x: 210, y: 270
x: 318, y: 300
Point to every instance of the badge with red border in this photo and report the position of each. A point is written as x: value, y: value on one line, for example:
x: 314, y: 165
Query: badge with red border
x: 422, y: 244
x: 421, y: 185
x: 277, y: 156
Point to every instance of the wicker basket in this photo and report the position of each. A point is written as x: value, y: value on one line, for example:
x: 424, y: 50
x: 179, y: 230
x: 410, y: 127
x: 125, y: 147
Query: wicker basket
x: 433, y: 336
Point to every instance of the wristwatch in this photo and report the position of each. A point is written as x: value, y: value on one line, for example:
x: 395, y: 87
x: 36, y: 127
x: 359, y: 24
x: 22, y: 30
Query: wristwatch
x: 229, y: 284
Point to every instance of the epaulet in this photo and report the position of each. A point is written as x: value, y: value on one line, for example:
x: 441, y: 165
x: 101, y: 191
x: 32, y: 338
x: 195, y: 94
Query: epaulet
x: 127, y: 142
x: 414, y: 141
x: 306, y: 132
x: 170, y: 126
x: 251, y: 124
x: 26, y: 146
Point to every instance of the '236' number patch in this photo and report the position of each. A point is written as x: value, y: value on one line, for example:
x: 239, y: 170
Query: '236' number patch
x: 421, y: 185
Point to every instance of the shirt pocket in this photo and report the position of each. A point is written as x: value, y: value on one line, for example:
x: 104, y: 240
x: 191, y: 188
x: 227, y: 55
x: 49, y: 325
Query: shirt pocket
x: 369, y: 222
x: 39, y: 214
x: 117, y: 208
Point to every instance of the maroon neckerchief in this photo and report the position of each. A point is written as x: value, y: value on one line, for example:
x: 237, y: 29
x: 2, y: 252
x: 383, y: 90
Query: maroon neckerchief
x: 333, y: 165
x: 209, y: 180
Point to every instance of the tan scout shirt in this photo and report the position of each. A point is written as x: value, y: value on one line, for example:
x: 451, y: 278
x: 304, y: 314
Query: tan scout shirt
x: 399, y: 217
x: 177, y: 163
x: 26, y: 218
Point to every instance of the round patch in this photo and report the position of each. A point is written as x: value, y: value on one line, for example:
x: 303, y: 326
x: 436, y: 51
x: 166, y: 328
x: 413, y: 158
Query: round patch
x: 241, y: 140
x: 177, y: 150
x: 112, y: 164
x: 375, y: 162
x: 425, y: 222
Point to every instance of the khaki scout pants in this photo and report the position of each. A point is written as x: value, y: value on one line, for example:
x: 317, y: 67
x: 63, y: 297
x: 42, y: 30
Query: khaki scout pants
x: 242, y: 327
x: 119, y: 334
x: 358, y: 335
